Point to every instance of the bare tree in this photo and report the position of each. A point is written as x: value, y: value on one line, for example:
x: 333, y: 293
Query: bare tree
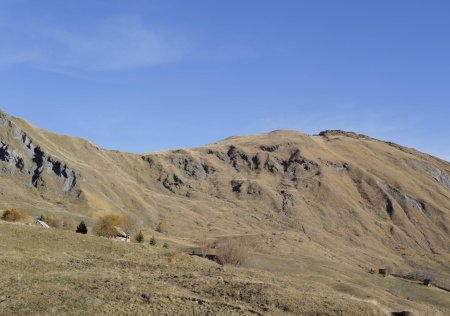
x: 131, y: 225
x: 232, y: 252
x: 204, y: 243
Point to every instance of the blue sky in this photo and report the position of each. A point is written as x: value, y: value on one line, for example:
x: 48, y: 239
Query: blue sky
x: 144, y: 76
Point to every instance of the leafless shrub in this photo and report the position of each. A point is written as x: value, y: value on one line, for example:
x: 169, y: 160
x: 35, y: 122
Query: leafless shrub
x: 204, y: 243
x: 131, y: 225
x: 68, y: 224
x: 232, y: 252
x: 54, y: 221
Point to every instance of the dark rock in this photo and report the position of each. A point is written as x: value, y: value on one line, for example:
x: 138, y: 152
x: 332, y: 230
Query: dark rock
x: 389, y: 207
x: 270, y: 148
x: 254, y: 189
x: 236, y: 186
x: 402, y: 313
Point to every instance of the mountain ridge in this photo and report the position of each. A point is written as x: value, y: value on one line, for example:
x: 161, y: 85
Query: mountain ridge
x: 338, y: 199
x: 265, y: 143
x: 323, y: 133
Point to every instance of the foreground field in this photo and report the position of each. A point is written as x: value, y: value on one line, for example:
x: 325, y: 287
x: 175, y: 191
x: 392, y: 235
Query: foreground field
x: 59, y: 272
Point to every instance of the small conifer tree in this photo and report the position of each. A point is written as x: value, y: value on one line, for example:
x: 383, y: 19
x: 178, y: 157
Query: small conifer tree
x: 82, y: 228
x: 139, y: 237
x: 166, y: 245
x: 153, y: 241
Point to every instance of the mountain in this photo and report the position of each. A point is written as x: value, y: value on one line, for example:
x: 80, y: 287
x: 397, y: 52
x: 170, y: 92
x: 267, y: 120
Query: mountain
x: 336, y: 200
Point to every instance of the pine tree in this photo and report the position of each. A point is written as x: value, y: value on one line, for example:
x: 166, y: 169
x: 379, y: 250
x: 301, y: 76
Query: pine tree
x: 139, y: 237
x: 82, y: 228
x: 153, y: 241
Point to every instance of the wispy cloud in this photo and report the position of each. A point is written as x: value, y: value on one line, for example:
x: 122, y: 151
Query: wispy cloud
x: 12, y: 57
x: 113, y: 44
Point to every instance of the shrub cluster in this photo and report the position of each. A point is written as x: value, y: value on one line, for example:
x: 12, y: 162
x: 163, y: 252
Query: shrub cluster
x: 13, y: 215
x: 106, y: 225
x: 56, y: 222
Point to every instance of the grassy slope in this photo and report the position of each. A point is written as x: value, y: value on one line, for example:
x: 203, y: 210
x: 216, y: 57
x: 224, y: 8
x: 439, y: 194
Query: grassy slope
x: 59, y: 272
x: 335, y: 225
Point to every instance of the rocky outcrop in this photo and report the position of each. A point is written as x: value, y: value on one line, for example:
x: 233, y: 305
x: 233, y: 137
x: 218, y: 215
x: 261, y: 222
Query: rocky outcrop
x: 297, y: 167
x: 437, y: 174
x: 192, y: 167
x: 271, y: 148
x: 65, y: 173
x: 406, y: 202
x: 10, y: 157
x: 338, y: 132
x: 339, y: 167
x: 247, y: 187
x: 182, y: 173
x: 287, y: 202
x: 169, y: 179
x: 18, y: 153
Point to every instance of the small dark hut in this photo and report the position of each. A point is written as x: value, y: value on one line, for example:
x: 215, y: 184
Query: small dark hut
x: 382, y: 271
x: 403, y: 313
x: 209, y: 254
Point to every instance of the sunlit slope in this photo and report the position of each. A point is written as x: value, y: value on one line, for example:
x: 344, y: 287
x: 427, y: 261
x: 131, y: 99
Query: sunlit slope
x: 362, y: 200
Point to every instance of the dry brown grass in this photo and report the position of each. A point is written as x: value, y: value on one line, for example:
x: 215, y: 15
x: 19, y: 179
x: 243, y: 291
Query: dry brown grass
x: 61, y: 272
x: 162, y: 227
x: 174, y: 257
x: 316, y: 205
x: 68, y: 224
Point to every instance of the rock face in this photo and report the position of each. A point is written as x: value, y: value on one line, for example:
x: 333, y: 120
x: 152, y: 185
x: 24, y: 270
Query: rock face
x: 349, y: 190
x: 19, y: 154
x: 433, y: 171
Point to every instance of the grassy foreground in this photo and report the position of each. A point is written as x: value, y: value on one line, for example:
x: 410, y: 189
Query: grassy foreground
x: 59, y: 272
